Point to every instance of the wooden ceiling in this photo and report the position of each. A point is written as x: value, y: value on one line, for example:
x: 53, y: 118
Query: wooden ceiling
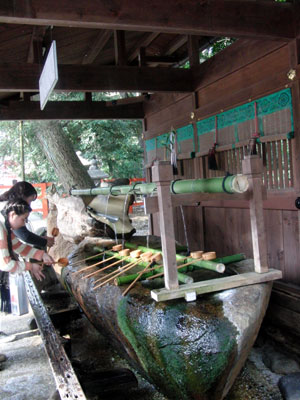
x: 122, y: 45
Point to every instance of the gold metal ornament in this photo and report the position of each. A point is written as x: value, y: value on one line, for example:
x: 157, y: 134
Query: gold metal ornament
x: 291, y: 74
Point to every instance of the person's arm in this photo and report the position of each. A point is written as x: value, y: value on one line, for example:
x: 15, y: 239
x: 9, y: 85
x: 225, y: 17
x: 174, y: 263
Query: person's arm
x: 29, y: 237
x: 6, y: 262
x: 25, y: 250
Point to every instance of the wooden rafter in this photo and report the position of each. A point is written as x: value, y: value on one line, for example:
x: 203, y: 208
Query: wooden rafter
x: 30, y: 110
x: 193, y: 49
x: 146, y: 39
x: 120, y: 48
x: 234, y: 18
x: 175, y: 44
x: 87, y: 78
x: 231, y: 59
x: 95, y: 48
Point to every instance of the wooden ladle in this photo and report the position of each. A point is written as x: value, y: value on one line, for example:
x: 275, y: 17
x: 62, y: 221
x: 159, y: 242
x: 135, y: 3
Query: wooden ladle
x: 55, y: 232
x: 62, y: 262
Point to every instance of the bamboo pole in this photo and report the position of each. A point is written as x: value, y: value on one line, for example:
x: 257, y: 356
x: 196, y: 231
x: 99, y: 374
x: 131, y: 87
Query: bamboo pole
x: 88, y: 258
x: 119, y: 273
x: 178, y: 267
x: 229, y: 184
x: 104, y: 268
x: 214, y: 265
x: 124, y: 280
x: 93, y: 265
x: 136, y: 279
x: 113, y: 272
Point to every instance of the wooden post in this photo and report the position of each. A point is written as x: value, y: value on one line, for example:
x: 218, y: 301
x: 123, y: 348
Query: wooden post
x: 162, y: 176
x: 252, y: 167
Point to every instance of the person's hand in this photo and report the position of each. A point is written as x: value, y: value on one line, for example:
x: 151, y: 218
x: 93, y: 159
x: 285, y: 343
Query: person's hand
x: 48, y: 259
x: 36, y: 270
x: 50, y: 241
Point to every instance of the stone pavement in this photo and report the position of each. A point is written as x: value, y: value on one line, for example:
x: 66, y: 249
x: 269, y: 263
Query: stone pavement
x: 26, y: 375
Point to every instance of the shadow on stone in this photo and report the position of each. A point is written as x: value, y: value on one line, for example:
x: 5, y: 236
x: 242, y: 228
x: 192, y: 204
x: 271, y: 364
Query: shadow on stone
x: 289, y: 386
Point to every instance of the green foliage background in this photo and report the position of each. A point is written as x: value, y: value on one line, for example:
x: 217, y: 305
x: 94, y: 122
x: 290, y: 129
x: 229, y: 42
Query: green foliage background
x: 117, y: 144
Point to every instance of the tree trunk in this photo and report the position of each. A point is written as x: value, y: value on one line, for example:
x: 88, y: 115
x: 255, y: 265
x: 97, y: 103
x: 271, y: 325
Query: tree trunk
x: 59, y: 151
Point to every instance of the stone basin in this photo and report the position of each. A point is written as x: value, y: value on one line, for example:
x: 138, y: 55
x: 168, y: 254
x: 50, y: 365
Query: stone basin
x: 188, y: 350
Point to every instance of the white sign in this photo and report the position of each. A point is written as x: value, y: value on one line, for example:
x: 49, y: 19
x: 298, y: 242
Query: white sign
x: 49, y: 76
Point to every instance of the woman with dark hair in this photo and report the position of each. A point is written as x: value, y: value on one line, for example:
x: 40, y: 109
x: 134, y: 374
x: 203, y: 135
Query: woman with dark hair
x: 12, y: 218
x: 25, y: 191
x: 20, y: 190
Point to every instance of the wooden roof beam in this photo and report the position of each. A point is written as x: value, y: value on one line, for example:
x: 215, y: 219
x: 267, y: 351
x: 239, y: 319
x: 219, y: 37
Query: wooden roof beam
x: 175, y: 44
x: 95, y: 48
x: 54, y: 110
x: 120, y: 48
x: 233, y: 18
x: 89, y: 78
x: 231, y: 59
x: 145, y: 41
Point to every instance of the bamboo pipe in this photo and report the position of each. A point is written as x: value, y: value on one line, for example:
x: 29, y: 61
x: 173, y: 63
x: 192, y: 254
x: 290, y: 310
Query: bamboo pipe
x: 178, y: 267
x: 228, y: 184
x: 211, y: 265
x: 103, y: 269
x: 113, y: 277
x: 125, y: 280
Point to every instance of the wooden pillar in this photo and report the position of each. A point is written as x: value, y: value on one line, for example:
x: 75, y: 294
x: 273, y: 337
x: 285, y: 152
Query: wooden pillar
x: 120, y: 48
x: 252, y: 167
x: 294, y: 52
x: 162, y: 175
x: 193, y: 50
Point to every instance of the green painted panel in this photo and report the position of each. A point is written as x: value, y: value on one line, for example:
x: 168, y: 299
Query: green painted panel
x: 266, y: 105
x: 162, y: 140
x: 185, y: 133
x: 150, y: 144
x: 206, y: 125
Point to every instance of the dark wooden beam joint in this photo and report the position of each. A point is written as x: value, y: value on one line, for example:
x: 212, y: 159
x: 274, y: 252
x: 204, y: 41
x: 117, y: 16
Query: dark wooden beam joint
x: 232, y: 18
x: 78, y: 78
x: 120, y: 48
x: 55, y: 110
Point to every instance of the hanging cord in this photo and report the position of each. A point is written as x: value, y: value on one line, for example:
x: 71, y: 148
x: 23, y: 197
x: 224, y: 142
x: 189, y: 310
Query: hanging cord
x: 216, y: 132
x: 212, y: 161
x: 256, y: 134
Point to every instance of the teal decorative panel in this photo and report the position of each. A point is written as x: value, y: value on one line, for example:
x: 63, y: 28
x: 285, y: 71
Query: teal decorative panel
x: 239, y: 122
x: 274, y: 114
x: 185, y: 139
x: 162, y: 140
x: 150, y: 144
x: 185, y: 133
x: 206, y: 125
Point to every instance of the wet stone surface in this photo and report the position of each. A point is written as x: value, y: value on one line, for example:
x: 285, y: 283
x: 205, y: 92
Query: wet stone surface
x: 27, y: 374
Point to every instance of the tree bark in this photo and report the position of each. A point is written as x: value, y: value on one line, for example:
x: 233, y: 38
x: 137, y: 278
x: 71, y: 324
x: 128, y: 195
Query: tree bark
x: 60, y: 152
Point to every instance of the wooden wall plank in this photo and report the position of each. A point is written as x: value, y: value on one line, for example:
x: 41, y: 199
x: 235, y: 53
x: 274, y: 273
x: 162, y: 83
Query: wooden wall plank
x: 215, y: 230
x: 274, y: 229
x: 280, y: 169
x: 286, y: 163
x: 291, y: 246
